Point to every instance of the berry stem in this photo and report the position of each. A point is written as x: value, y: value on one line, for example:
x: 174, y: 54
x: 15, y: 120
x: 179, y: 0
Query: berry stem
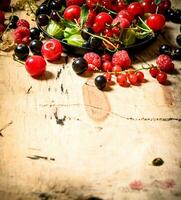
x: 151, y: 31
x: 110, y: 11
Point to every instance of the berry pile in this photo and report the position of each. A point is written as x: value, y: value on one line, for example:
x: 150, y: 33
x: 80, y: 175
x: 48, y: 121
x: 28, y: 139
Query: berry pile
x: 118, y: 67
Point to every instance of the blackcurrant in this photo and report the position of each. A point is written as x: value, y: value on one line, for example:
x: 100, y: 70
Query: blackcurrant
x: 21, y: 51
x: 168, y: 14
x: 178, y: 39
x: 42, y: 19
x: 35, y: 47
x: 79, y: 65
x: 177, y: 54
x: 12, y: 25
x: 43, y: 9
x: 34, y: 33
x: 86, y: 44
x: 55, y: 5
x: 54, y: 16
x: 165, y: 49
x: 100, y: 82
x: 84, y: 33
x: 95, y: 42
x: 13, y: 18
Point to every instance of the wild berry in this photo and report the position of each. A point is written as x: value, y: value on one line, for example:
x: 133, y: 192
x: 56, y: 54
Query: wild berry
x: 79, y: 65
x: 100, y: 82
x: 165, y: 63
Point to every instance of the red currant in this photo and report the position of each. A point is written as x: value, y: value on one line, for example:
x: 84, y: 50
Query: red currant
x: 108, y: 32
x: 107, y: 66
x: 140, y: 76
x: 35, y: 65
x: 92, y: 3
x: 116, y: 31
x: 116, y: 69
x: 108, y: 76
x: 135, y: 9
x: 52, y: 49
x: 97, y: 28
x: 162, y: 77
x: 132, y: 78
x: 121, y: 79
x: 72, y: 12
x: 148, y: 7
x: 106, y: 57
x: 103, y: 18
x: 154, y: 72
x: 156, y: 22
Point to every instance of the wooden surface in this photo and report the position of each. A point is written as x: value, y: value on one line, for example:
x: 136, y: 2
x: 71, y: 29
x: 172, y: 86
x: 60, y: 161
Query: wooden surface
x: 61, y: 138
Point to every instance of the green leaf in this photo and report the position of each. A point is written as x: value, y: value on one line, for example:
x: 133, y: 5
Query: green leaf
x: 83, y: 15
x: 129, y: 37
x: 75, y: 40
x: 142, y: 35
x: 157, y: 2
x: 54, y: 29
x: 70, y: 31
x: 67, y: 23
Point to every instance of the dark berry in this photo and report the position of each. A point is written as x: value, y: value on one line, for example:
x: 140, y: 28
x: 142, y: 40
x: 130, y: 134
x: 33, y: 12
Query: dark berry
x: 157, y: 162
x: 54, y: 16
x: 84, y: 33
x: 95, y: 42
x: 43, y: 9
x: 86, y: 44
x: 165, y: 49
x: 21, y: 51
x: 100, y: 82
x: 79, y: 65
x: 176, y: 16
x: 42, y: 19
x: 55, y: 5
x: 35, y: 47
x: 34, y: 33
x: 12, y: 25
x: 13, y: 18
x: 177, y: 54
x: 178, y: 39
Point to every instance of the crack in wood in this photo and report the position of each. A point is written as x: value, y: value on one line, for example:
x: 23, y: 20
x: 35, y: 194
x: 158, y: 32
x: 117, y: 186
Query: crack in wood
x: 5, y: 127
x: 37, y: 157
x: 62, y: 88
x: 29, y: 89
x: 163, y: 119
x: 58, y: 73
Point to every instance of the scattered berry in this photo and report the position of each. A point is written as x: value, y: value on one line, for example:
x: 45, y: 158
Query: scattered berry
x: 122, y: 59
x: 22, y: 35
x: 35, y: 65
x: 93, y: 58
x: 165, y: 63
x: 165, y: 49
x: 35, y: 46
x: 178, y: 39
x: 140, y: 76
x: 79, y: 65
x: 34, y: 33
x: 23, y: 22
x: 108, y: 76
x: 154, y: 71
x: 43, y: 9
x: 52, y: 49
x: 100, y: 82
x: 121, y: 79
x: 162, y: 77
x: 177, y: 54
x: 132, y: 77
x: 55, y: 5
x: 107, y: 66
x: 21, y: 51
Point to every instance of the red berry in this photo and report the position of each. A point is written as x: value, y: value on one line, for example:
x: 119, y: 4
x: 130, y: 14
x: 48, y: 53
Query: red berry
x: 132, y: 78
x: 163, y: 6
x: 103, y: 18
x: 91, y: 67
x: 23, y: 22
x: 74, y: 2
x: 108, y: 76
x: 148, y: 7
x: 35, y: 65
x: 135, y: 9
x: 121, y: 5
x: 90, y: 18
x: 162, y: 77
x: 72, y: 12
x: 2, y: 17
x: 123, y: 22
x: 93, y: 58
x: 140, y: 76
x: 107, y: 66
x: 108, y: 32
x: 125, y: 14
x: 121, y: 79
x: 52, y: 49
x: 97, y: 28
x: 116, y: 31
x: 2, y: 28
x: 92, y: 3
x: 154, y: 71
x: 156, y: 22
x: 21, y: 35
x: 116, y: 69
x: 106, y: 57
x: 165, y: 63
x: 122, y: 59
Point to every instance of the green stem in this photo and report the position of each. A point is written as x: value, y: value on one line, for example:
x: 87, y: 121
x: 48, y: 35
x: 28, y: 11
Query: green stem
x: 151, y: 31
x: 110, y: 11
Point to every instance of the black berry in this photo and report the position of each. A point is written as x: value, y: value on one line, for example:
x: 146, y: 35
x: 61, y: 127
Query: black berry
x: 34, y: 33
x: 21, y: 51
x: 35, y: 46
x: 176, y: 54
x: 79, y: 65
x: 165, y: 49
x: 86, y: 44
x: 95, y: 42
x: 55, y: 5
x: 100, y: 82
x: 42, y: 19
x: 43, y: 9
x: 12, y: 25
x: 84, y: 33
x: 54, y: 16
x: 157, y: 162
x: 178, y: 39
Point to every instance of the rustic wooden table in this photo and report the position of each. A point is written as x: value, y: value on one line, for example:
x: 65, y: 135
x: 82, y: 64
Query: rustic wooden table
x: 61, y: 138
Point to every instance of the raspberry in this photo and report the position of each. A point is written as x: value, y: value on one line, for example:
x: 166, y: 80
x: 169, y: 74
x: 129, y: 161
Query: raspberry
x: 93, y: 59
x: 122, y: 59
x: 74, y: 2
x: 23, y: 22
x: 165, y: 63
x: 21, y: 35
x: 2, y: 17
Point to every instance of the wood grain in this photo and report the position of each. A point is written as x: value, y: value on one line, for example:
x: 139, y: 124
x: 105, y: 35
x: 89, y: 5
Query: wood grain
x: 61, y: 138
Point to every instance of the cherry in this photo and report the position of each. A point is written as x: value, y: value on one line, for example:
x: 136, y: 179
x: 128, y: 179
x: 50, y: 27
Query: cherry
x: 162, y: 77
x: 108, y: 32
x: 148, y: 7
x: 154, y: 72
x: 132, y: 77
x: 107, y: 66
x: 135, y: 9
x: 125, y: 14
x: 103, y: 18
x: 72, y: 12
x: 52, y: 49
x: 92, y: 3
x: 156, y: 22
x: 97, y: 28
x: 123, y: 22
x: 35, y: 65
x: 116, y: 31
x: 121, y: 79
x: 140, y: 76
